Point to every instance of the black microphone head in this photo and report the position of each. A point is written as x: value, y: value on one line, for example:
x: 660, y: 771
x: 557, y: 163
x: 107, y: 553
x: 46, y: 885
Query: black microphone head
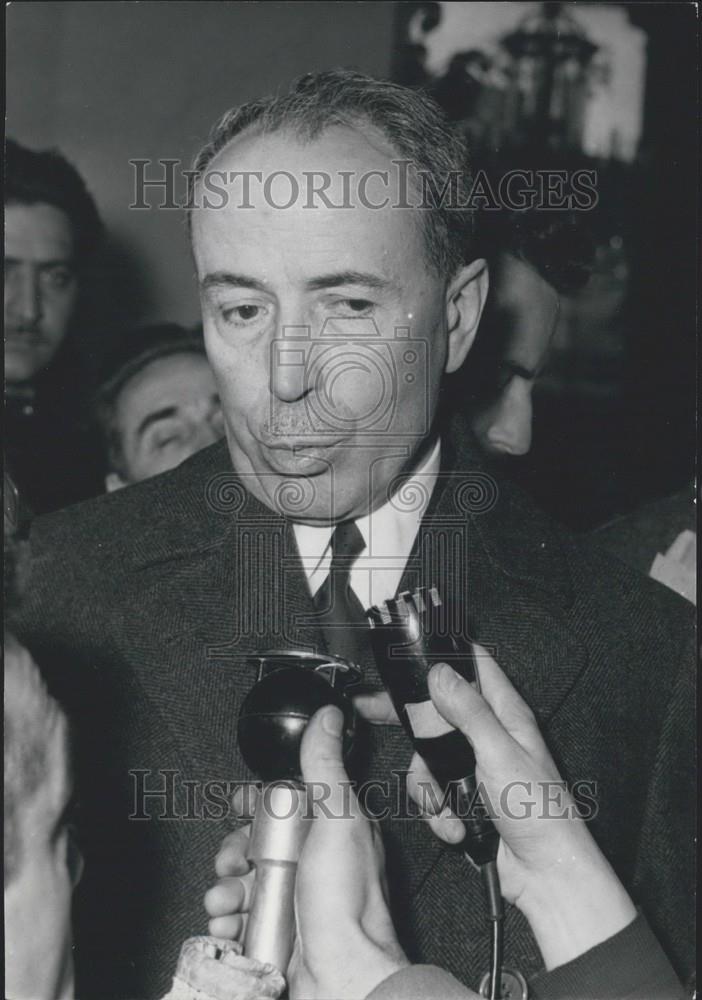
x: 275, y: 714
x: 417, y: 629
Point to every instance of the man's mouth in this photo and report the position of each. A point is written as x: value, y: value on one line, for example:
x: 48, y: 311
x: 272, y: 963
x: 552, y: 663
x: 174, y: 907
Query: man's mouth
x: 307, y: 456
x: 23, y: 338
x: 301, y: 443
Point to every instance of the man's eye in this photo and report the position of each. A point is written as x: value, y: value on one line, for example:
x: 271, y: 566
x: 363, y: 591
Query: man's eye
x: 167, y: 441
x: 240, y: 315
x: 355, y: 307
x: 59, y: 278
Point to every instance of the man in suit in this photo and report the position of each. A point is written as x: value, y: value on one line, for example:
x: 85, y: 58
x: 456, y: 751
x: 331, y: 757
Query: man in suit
x: 535, y: 259
x: 52, y: 231
x: 157, y: 404
x: 660, y: 540
x: 329, y: 328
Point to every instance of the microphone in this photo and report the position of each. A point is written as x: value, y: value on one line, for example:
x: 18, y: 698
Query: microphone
x: 291, y: 686
x: 408, y: 636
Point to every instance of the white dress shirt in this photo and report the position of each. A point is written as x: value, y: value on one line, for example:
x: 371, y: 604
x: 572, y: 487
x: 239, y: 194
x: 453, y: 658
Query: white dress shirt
x: 389, y: 533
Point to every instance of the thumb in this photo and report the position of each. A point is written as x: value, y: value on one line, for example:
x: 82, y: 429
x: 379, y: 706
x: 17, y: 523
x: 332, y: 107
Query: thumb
x: 321, y: 759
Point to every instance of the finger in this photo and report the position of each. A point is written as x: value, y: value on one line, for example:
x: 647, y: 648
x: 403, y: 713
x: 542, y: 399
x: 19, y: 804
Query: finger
x: 422, y: 786
x: 229, y: 895
x: 495, y: 685
x: 506, y: 702
x: 376, y: 708
x: 463, y: 707
x: 426, y: 793
x: 446, y: 826
x: 377, y: 839
x: 231, y: 927
x: 321, y: 758
x: 231, y: 859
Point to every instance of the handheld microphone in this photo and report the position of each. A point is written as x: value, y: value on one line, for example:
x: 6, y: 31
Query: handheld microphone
x: 408, y: 636
x: 290, y: 688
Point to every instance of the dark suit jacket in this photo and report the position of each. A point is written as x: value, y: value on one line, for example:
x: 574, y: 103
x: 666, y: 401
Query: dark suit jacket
x: 147, y: 603
x: 638, y: 537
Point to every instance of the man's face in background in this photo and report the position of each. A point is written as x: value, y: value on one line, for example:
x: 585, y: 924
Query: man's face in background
x: 327, y: 329
x: 164, y: 414
x: 520, y: 324
x: 40, y: 287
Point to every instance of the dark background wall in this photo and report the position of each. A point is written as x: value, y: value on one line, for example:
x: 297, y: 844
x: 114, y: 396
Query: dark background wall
x: 110, y: 82
x: 596, y: 458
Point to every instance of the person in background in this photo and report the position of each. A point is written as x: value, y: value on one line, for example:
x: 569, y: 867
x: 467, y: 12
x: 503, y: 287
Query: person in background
x: 658, y: 539
x: 593, y: 941
x: 158, y: 405
x: 52, y: 228
x: 534, y: 259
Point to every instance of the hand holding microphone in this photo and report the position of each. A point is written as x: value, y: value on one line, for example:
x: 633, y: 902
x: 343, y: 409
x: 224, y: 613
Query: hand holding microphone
x: 291, y: 687
x: 345, y: 943
x: 551, y: 869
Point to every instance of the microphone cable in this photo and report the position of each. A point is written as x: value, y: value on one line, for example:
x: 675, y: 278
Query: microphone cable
x: 496, y: 917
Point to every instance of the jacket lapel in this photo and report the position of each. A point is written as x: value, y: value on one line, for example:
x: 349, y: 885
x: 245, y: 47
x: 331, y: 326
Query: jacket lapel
x: 502, y: 566
x: 227, y: 587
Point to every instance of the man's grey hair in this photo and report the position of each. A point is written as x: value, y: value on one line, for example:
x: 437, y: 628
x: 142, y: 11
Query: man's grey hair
x: 410, y: 120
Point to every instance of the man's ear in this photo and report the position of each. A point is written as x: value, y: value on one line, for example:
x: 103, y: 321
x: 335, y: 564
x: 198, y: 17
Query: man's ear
x: 465, y: 299
x: 113, y: 481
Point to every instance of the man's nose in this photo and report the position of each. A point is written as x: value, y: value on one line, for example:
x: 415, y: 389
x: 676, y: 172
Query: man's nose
x: 509, y: 431
x: 25, y: 297
x: 290, y: 365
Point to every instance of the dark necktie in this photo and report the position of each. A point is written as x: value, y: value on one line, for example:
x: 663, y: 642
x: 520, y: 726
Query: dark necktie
x: 341, y: 616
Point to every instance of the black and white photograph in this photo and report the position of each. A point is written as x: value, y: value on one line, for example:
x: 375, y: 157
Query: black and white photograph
x: 350, y: 500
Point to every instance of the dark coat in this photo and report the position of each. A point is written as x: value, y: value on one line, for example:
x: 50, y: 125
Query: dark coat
x: 146, y: 603
x: 638, y: 537
x: 50, y: 445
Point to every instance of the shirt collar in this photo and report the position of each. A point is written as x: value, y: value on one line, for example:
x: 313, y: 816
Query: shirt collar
x: 388, y: 531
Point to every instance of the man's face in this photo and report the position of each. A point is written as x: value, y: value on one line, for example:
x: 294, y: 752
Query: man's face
x: 326, y: 328
x: 523, y: 321
x: 164, y: 414
x: 40, y: 287
x: 38, y: 936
